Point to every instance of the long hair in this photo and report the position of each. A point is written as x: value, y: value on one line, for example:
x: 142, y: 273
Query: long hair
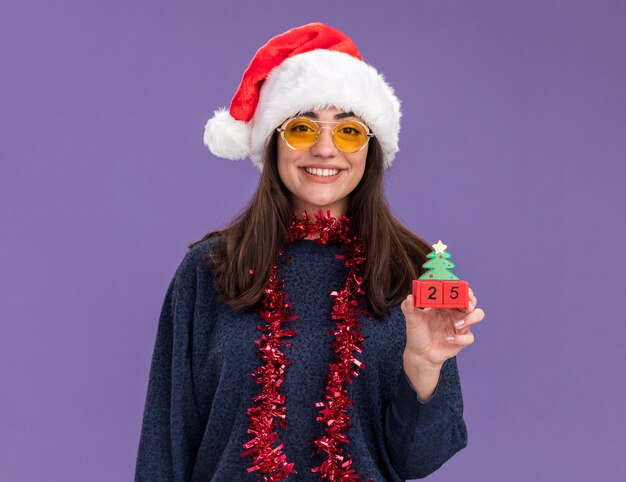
x: 253, y: 239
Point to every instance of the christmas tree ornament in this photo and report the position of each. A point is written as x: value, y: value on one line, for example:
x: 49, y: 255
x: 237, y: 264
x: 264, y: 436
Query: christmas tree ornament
x: 439, y: 287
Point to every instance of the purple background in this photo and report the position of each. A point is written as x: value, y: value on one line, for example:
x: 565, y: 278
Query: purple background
x: 512, y: 152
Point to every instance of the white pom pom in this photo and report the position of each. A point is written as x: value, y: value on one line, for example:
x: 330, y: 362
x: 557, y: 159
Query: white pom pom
x: 227, y: 137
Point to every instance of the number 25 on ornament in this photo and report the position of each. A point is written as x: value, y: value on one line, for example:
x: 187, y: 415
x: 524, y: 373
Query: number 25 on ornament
x: 439, y: 287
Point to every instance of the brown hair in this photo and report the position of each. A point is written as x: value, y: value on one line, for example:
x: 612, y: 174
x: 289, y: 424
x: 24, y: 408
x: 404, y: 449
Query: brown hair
x: 255, y: 236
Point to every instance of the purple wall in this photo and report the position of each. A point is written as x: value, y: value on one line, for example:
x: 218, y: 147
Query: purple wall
x: 512, y: 152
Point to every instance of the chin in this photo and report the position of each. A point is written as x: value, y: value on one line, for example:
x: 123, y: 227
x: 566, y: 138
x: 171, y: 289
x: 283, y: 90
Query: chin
x: 321, y: 205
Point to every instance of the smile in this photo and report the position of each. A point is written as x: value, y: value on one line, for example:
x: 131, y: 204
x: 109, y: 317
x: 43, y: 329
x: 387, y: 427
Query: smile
x: 321, y: 172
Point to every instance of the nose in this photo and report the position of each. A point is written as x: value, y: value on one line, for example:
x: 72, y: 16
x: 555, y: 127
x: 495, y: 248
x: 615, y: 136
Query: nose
x: 325, y: 145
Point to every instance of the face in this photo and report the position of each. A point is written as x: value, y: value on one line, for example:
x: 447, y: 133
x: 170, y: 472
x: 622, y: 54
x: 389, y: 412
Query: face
x: 311, y: 192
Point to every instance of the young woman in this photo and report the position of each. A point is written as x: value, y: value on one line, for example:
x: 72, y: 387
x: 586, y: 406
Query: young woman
x: 288, y: 346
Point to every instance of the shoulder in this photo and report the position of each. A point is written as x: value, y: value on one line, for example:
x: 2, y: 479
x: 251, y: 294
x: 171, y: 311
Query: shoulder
x: 194, y: 264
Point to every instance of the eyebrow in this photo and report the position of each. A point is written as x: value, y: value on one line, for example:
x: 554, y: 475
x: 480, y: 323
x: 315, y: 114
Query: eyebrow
x: 337, y: 116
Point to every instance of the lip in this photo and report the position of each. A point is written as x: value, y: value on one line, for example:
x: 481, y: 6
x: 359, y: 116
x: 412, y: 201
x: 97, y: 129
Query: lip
x: 322, y: 166
x: 322, y: 180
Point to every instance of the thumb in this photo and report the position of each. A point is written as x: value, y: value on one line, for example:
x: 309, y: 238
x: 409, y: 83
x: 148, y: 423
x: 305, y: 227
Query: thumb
x: 408, y: 306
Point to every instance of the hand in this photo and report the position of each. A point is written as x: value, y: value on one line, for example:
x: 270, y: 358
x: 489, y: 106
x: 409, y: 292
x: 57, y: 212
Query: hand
x: 427, y: 330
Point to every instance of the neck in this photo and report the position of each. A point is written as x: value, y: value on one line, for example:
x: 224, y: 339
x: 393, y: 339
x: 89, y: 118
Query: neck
x: 336, y: 210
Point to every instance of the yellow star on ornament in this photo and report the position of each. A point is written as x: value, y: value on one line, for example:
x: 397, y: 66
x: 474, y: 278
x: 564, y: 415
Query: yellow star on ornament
x: 439, y: 247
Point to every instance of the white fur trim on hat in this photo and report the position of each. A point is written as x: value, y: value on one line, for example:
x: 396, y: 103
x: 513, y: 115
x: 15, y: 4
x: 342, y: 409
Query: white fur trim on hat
x: 321, y: 78
x: 227, y: 137
x: 308, y: 81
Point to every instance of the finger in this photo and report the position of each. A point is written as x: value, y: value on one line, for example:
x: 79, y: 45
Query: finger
x: 472, y: 296
x: 470, y: 319
x: 475, y: 316
x: 470, y: 307
x: 408, y: 305
x: 461, y: 340
x: 462, y: 330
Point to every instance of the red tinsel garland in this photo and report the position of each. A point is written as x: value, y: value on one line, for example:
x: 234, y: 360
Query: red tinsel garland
x: 271, y: 462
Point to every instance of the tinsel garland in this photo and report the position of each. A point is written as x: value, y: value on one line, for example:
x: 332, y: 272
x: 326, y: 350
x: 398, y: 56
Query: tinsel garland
x: 271, y: 462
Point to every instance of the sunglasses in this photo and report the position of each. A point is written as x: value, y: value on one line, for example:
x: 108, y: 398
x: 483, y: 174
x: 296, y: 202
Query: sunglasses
x: 300, y: 133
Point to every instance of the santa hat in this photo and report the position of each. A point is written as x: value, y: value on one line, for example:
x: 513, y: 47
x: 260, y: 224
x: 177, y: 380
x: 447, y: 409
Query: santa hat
x: 306, y: 68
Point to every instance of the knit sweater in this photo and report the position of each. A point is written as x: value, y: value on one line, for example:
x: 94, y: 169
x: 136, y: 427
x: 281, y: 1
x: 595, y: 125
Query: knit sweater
x: 200, y: 386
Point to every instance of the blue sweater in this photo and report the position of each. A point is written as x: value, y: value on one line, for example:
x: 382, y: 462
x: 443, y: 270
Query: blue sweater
x: 200, y: 384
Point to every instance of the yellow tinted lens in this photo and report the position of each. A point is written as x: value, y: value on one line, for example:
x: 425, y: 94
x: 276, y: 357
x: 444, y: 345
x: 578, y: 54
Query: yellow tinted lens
x: 300, y: 133
x: 350, y: 136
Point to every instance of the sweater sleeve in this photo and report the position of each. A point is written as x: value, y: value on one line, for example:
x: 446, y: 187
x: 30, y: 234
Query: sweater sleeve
x: 171, y: 431
x: 422, y: 436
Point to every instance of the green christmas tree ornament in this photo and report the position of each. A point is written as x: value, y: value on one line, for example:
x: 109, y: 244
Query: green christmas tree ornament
x: 439, y: 264
x: 439, y: 287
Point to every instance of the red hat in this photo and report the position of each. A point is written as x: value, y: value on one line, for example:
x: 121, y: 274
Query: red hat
x: 306, y: 68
